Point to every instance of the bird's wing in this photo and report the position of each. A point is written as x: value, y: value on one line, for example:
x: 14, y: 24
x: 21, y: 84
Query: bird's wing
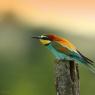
x: 70, y: 52
x: 63, y: 49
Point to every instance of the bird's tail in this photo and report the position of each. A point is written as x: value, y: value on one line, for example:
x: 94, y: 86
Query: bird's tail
x: 87, y: 62
x: 90, y: 67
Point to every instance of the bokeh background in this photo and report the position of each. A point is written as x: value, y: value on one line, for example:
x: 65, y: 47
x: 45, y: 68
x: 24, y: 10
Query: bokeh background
x: 26, y: 66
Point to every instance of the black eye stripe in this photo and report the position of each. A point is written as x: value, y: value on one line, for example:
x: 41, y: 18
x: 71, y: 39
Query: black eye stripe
x: 45, y: 38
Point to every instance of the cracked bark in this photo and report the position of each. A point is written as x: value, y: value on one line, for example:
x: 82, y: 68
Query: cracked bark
x: 67, y: 78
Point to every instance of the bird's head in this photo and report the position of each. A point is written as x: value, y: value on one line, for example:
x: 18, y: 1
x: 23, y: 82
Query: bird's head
x: 46, y: 39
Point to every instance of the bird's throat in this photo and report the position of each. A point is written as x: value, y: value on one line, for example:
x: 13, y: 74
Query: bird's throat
x: 45, y: 42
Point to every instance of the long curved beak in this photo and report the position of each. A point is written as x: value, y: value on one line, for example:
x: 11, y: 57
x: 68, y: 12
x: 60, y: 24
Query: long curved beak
x: 36, y: 37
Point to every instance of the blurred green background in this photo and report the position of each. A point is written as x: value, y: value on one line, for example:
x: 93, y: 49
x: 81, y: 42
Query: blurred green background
x: 27, y: 67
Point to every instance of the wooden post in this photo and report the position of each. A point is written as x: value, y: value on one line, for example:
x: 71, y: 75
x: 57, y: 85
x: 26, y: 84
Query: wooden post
x: 67, y: 78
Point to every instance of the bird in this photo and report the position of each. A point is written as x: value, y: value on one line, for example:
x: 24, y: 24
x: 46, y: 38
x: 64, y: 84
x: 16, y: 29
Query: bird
x: 63, y: 49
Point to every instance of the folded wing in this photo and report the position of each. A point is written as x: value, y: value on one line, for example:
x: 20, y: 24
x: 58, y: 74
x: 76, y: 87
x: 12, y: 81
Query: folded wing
x: 75, y: 54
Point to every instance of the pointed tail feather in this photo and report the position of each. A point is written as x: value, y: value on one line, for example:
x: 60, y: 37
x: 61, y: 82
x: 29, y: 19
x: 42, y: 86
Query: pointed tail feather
x: 91, y: 67
x: 85, y: 58
x: 87, y: 62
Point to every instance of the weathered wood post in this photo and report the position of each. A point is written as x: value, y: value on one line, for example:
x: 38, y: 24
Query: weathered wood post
x: 67, y: 78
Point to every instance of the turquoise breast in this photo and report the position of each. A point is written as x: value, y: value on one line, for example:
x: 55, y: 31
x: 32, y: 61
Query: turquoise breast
x: 57, y: 54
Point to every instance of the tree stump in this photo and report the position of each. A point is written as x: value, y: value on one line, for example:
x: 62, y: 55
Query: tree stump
x: 67, y: 78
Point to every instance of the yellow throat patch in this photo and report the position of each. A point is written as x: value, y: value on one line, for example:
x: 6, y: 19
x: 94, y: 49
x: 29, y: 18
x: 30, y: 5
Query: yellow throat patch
x: 44, y: 42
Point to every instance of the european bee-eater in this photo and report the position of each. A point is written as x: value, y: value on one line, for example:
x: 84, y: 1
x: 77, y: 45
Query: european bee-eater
x: 65, y: 50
